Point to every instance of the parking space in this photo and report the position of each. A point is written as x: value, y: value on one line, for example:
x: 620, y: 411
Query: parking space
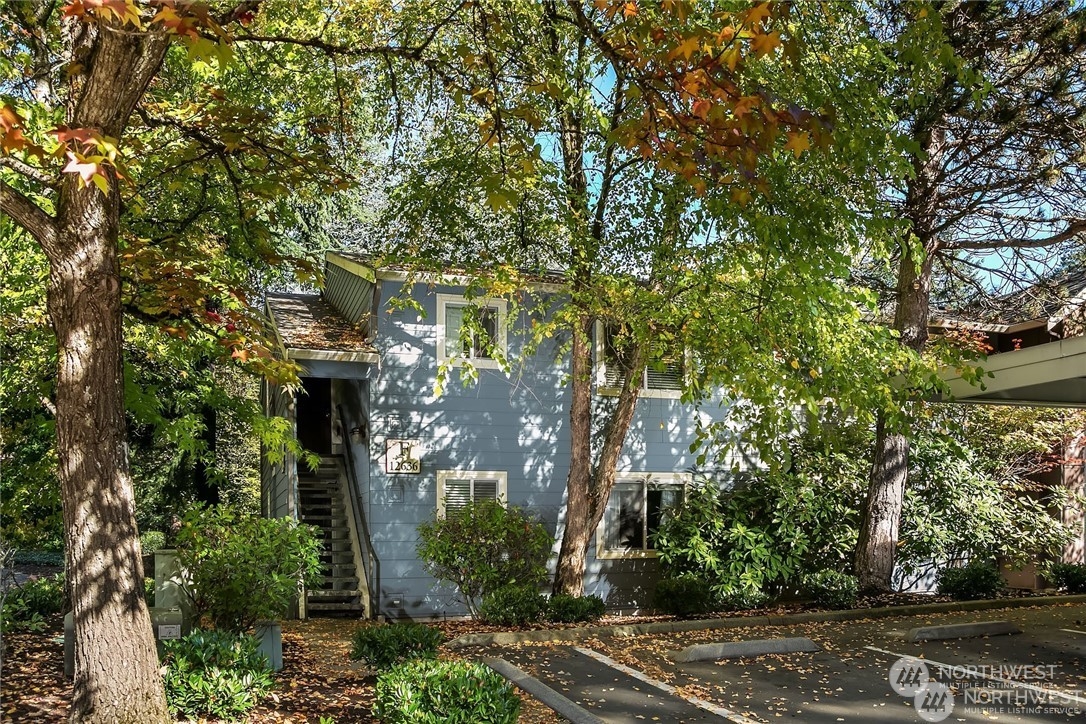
x: 1036, y: 676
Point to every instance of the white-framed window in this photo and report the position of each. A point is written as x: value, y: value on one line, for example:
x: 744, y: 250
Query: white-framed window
x: 489, y: 316
x: 664, y: 382
x: 457, y: 488
x: 639, y: 503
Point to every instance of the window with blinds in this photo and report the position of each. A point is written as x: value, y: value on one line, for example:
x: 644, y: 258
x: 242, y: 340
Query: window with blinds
x: 612, y: 359
x: 457, y: 488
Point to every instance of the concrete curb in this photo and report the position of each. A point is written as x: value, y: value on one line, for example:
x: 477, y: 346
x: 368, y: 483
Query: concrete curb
x: 560, y: 704
x: 742, y: 649
x: 962, y: 631
x: 506, y: 638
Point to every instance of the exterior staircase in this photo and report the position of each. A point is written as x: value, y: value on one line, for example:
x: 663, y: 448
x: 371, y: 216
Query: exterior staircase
x: 323, y: 503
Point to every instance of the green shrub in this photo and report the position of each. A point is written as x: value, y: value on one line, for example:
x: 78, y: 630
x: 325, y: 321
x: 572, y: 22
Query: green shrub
x: 513, y: 606
x: 685, y: 595
x: 563, y: 608
x: 27, y: 605
x: 1069, y: 576
x: 445, y: 692
x: 758, y: 535
x: 979, y: 579
x: 149, y: 591
x: 832, y: 589
x: 151, y: 541
x: 383, y: 645
x: 484, y: 547
x: 215, y: 673
x: 741, y: 599
x: 39, y: 558
x: 240, y: 569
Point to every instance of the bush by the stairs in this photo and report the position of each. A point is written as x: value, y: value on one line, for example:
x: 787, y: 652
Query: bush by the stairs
x: 563, y: 608
x: 979, y: 579
x: 382, y: 645
x: 1068, y: 576
x: 241, y: 569
x: 483, y: 547
x: 513, y: 606
x: 215, y: 673
x: 445, y: 692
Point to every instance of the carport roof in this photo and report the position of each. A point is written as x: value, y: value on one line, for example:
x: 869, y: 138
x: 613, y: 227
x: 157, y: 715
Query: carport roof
x: 1049, y: 375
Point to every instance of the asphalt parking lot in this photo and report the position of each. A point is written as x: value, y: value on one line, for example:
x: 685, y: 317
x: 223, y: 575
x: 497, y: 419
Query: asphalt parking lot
x: 1038, y: 675
x: 1035, y: 676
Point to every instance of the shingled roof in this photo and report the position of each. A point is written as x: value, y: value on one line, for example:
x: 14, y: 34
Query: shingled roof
x: 307, y: 321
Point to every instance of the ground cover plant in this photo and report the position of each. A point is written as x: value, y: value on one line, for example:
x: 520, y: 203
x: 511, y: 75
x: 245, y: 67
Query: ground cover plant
x: 445, y: 692
x: 220, y: 674
x: 383, y: 645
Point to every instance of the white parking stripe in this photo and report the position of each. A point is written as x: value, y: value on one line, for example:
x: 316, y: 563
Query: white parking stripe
x: 640, y: 676
x: 1071, y: 630
x: 976, y: 674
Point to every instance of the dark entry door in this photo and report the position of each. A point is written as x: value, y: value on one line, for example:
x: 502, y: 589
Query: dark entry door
x: 315, y: 415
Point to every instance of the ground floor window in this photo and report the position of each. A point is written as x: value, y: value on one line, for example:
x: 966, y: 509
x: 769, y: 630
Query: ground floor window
x: 639, y: 503
x: 457, y: 488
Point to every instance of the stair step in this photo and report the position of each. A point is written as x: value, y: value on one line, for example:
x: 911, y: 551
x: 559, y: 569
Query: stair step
x: 344, y: 593
x: 317, y: 607
x: 340, y: 579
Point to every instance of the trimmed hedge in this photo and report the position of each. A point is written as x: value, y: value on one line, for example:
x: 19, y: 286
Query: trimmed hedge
x: 685, y: 595
x: 833, y: 589
x: 563, y: 608
x: 215, y: 673
x: 513, y: 606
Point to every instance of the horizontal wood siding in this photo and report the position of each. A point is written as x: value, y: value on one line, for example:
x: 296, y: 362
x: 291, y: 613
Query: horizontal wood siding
x: 517, y: 423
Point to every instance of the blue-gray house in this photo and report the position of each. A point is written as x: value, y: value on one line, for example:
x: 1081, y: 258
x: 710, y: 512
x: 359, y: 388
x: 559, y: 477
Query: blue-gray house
x: 394, y: 454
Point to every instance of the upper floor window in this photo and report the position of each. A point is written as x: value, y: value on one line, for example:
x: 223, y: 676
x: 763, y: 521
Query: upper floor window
x: 639, y: 503
x: 457, y: 488
x: 611, y: 363
x: 473, y: 330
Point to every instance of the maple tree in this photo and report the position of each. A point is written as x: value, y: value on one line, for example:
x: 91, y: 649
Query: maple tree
x: 695, y: 174
x: 158, y: 179
x: 991, y: 100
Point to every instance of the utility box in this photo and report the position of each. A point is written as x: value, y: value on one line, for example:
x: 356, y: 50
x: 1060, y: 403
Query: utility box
x: 270, y: 634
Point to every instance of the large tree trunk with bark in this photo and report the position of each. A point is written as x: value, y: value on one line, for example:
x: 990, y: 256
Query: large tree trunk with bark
x: 116, y: 664
x: 877, y: 543
x: 117, y: 677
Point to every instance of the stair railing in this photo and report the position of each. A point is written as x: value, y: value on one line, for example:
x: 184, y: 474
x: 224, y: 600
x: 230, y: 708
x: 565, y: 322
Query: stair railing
x: 373, y: 565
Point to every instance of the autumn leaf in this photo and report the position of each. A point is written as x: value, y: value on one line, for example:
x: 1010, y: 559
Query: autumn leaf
x: 797, y: 143
x: 89, y: 169
x: 764, y: 44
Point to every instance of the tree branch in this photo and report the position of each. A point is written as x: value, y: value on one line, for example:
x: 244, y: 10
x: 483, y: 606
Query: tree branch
x: 1073, y: 229
x: 30, y: 216
x: 31, y: 172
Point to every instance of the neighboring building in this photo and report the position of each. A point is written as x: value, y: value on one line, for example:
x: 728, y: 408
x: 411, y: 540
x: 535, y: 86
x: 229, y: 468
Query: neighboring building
x: 394, y: 455
x: 1037, y: 356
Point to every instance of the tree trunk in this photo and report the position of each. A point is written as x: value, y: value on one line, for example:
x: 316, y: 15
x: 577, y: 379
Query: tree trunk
x: 580, y: 507
x: 589, y: 489
x: 116, y: 663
